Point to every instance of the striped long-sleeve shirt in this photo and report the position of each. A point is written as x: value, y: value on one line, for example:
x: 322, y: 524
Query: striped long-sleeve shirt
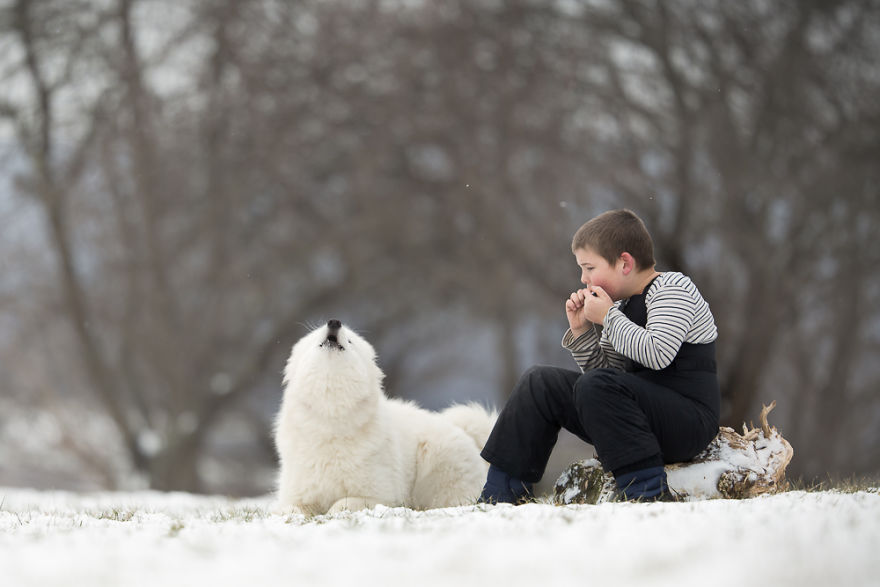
x: 677, y: 313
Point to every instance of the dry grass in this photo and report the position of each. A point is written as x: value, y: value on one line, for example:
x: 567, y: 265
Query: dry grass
x: 850, y: 484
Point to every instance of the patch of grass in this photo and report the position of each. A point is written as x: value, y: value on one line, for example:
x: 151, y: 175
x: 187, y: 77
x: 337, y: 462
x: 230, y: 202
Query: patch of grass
x: 115, y: 515
x: 851, y: 484
x: 175, y: 528
x: 245, y: 514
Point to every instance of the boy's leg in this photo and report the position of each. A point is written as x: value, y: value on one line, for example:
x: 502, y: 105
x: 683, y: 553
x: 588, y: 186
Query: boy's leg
x: 637, y: 425
x: 527, y: 428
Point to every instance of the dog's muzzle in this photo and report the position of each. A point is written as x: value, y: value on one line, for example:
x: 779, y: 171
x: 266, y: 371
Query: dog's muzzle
x: 332, y: 340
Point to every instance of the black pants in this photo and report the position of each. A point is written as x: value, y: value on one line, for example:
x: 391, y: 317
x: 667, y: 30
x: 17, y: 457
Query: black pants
x: 628, y: 417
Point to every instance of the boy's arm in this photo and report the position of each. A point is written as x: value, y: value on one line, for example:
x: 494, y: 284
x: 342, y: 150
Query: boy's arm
x: 671, y: 314
x: 591, y: 350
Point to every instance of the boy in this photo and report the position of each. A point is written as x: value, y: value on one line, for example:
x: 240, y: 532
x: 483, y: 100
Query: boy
x: 647, y: 393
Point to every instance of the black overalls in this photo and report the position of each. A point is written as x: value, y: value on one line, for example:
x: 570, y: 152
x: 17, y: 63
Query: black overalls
x: 635, y: 419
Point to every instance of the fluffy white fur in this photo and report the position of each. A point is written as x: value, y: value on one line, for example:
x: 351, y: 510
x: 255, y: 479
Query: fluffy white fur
x: 344, y: 445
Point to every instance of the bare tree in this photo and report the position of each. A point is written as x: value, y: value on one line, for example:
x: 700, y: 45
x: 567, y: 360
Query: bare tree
x: 213, y: 176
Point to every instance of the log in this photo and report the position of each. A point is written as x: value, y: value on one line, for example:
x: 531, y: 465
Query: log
x: 733, y: 466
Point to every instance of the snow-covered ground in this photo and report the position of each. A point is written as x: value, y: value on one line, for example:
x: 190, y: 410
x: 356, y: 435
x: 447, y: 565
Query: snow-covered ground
x: 132, y: 539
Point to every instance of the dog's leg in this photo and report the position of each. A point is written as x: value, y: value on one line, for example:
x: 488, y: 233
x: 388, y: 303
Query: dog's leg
x: 450, y: 472
x: 353, y: 504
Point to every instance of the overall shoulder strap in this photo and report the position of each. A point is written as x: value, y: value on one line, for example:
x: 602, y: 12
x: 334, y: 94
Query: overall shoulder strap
x: 635, y: 308
x: 690, y: 357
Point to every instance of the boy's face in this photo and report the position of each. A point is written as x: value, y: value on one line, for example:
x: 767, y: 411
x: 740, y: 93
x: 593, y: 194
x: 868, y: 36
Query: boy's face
x: 596, y: 271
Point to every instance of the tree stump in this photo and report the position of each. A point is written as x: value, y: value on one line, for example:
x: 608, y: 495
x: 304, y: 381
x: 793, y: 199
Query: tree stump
x: 733, y: 466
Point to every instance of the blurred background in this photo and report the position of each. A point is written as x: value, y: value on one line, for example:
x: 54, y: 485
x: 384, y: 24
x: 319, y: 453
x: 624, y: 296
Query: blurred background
x: 187, y: 186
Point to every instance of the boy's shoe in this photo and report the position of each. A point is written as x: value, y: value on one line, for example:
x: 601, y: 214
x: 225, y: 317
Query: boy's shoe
x: 502, y: 488
x: 644, y: 485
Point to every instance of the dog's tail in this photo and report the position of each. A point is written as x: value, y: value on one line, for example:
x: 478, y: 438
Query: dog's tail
x: 474, y: 419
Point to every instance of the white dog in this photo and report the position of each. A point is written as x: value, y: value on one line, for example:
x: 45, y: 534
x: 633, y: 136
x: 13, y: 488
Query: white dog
x: 344, y: 445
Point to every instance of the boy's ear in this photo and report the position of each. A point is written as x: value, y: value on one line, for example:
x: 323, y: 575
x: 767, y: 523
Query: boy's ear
x: 629, y: 263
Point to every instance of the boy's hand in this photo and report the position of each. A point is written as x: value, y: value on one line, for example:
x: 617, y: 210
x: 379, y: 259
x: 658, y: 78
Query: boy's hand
x: 596, y: 304
x: 574, y: 311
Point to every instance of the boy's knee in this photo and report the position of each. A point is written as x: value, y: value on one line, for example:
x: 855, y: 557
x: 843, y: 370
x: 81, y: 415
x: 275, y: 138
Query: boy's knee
x: 539, y: 371
x: 533, y: 371
x: 535, y: 377
x: 593, y: 389
x: 597, y: 379
x: 540, y: 384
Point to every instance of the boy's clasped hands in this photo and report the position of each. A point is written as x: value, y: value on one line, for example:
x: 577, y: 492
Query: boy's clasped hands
x: 585, y: 307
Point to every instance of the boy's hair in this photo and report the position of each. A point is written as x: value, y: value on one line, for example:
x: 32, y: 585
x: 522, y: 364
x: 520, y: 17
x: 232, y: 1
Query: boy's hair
x: 614, y: 232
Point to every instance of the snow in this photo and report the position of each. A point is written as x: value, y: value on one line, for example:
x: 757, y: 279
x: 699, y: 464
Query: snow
x: 133, y: 539
x: 700, y: 479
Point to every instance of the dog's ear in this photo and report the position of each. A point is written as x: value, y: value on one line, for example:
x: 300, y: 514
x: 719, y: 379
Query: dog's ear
x: 290, y: 367
x: 378, y: 374
x: 287, y: 374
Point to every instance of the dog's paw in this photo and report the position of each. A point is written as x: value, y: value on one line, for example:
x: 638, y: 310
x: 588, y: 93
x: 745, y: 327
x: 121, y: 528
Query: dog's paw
x: 352, y: 504
x: 287, y: 509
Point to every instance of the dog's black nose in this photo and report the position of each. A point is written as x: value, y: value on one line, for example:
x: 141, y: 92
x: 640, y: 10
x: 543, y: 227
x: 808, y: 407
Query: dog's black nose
x: 334, y: 325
